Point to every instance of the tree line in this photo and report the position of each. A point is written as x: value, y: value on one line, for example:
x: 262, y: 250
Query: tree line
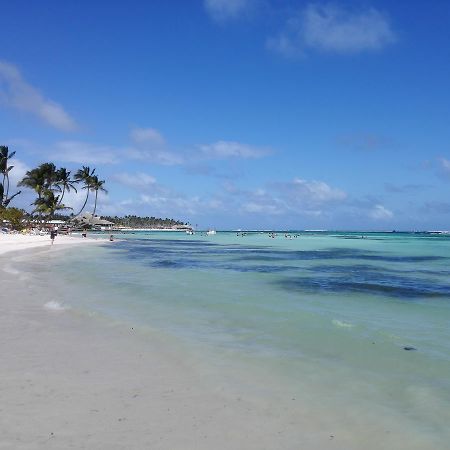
x: 143, y: 222
x: 50, y: 185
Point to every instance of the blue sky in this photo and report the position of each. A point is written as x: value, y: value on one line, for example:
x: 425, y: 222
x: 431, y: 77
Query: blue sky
x: 237, y: 113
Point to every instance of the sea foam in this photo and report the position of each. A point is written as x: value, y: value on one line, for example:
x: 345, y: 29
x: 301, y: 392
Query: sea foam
x: 341, y: 324
x: 11, y: 270
x: 53, y: 305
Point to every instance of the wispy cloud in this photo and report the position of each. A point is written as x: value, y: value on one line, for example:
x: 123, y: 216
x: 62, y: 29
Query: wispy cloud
x: 366, y: 142
x: 379, y: 212
x: 444, y: 166
x: 163, y: 200
x: 435, y: 207
x: 405, y: 188
x: 138, y: 181
x: 232, y: 149
x: 16, y: 93
x: 330, y: 28
x: 310, y: 192
x: 147, y: 136
x: 84, y: 153
x: 149, y: 145
x: 223, y: 10
x: 295, y: 197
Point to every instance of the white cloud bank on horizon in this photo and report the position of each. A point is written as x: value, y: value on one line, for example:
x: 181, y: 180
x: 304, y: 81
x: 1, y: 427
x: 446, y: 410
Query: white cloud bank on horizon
x: 16, y: 93
x: 298, y: 196
x: 330, y: 28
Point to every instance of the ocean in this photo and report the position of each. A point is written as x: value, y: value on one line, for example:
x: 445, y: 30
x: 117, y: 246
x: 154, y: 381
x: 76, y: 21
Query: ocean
x: 353, y: 328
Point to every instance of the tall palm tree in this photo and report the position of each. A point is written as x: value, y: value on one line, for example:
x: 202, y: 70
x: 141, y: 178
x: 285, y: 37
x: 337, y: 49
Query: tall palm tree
x: 97, y: 185
x: 63, y: 180
x: 4, y: 170
x: 84, y: 175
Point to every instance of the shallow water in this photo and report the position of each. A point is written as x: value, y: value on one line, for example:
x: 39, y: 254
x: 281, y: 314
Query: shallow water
x: 320, y: 317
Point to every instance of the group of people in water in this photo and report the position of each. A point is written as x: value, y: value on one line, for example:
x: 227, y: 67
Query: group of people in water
x: 272, y: 235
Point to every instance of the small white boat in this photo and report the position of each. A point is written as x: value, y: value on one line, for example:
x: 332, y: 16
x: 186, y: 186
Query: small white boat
x: 210, y: 232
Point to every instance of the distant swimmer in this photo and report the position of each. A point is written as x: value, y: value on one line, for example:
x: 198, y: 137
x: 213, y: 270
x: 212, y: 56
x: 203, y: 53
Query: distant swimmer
x: 111, y: 238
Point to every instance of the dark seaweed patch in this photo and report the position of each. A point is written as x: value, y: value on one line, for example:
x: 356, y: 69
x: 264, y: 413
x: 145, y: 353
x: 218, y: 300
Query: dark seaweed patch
x: 399, y: 287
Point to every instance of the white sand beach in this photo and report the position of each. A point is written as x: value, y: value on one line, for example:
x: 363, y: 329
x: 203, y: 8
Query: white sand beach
x: 15, y: 242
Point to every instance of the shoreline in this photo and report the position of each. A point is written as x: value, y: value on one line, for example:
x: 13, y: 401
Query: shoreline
x: 18, y: 242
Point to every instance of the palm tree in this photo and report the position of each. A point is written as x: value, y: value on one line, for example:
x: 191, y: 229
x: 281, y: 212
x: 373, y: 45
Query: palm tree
x: 48, y: 203
x: 84, y: 175
x: 4, y: 170
x: 97, y: 185
x: 63, y: 179
x: 40, y: 179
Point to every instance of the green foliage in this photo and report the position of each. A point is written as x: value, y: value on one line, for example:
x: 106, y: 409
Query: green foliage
x: 41, y: 178
x: 14, y: 217
x: 46, y: 180
x: 48, y: 203
x: 143, y: 222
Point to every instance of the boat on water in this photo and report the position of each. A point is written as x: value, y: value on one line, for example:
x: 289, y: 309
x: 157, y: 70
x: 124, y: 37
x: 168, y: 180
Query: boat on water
x: 211, y: 232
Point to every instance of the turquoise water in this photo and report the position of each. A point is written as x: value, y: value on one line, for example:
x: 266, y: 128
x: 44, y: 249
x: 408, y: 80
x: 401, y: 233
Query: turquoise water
x: 326, y: 316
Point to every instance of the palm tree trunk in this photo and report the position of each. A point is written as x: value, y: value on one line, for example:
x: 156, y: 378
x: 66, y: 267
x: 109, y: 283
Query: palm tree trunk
x: 62, y: 195
x: 7, y: 189
x: 95, y: 204
x: 4, y: 196
x: 87, y: 196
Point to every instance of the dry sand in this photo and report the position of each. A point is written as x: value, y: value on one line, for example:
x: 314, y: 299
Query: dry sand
x: 15, y: 242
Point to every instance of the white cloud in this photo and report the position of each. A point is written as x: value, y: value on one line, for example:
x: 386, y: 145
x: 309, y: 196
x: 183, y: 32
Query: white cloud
x: 147, y: 135
x: 445, y: 165
x: 331, y: 28
x: 379, y: 212
x: 334, y: 29
x: 317, y: 191
x: 24, y: 199
x: 136, y: 180
x: 222, y: 10
x: 296, y: 197
x: 16, y: 93
x: 84, y: 153
x: 75, y: 200
x: 261, y: 208
x: 232, y: 149
x: 18, y: 172
x: 150, y: 146
x: 150, y: 155
x: 363, y: 141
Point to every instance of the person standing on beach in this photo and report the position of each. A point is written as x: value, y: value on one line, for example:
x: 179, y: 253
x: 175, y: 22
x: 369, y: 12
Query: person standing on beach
x: 53, y: 235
